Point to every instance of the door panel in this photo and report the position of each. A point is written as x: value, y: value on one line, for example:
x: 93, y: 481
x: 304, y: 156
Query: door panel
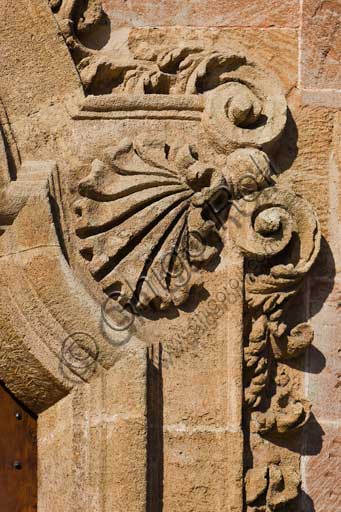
x: 18, y: 456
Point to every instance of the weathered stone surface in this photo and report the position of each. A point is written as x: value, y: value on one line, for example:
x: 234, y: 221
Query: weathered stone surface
x: 324, y: 387
x: 320, y: 469
x: 33, y: 58
x: 273, y: 49
x: 158, y: 295
x: 99, y: 431
x: 329, y: 98
x: 321, y: 45
x: 208, y: 13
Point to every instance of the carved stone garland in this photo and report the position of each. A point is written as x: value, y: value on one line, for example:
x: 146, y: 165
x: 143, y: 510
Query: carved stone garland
x: 146, y: 208
x: 278, y: 222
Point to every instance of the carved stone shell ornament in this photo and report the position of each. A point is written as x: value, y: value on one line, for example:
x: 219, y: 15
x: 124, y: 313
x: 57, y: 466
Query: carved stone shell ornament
x: 141, y: 221
x: 148, y: 269
x: 150, y: 216
x: 151, y: 191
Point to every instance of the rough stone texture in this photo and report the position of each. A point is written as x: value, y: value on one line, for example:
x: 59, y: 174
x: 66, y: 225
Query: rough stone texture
x: 204, y: 13
x: 319, y: 472
x: 92, y: 444
x: 321, y: 45
x: 273, y: 48
x: 118, y: 128
x: 31, y: 46
x: 323, y: 461
x: 313, y: 153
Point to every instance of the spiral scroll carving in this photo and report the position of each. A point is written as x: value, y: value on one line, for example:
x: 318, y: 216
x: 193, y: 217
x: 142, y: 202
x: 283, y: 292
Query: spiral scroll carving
x: 77, y: 19
x: 276, y: 222
x: 144, y: 221
x: 241, y: 105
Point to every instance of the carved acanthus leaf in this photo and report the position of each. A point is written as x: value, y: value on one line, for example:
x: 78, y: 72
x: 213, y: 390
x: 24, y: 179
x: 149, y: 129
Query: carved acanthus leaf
x: 242, y: 105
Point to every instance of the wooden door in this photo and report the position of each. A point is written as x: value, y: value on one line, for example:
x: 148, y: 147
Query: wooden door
x: 18, y: 456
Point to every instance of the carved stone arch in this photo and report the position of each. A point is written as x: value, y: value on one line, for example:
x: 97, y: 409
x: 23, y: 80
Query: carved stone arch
x: 143, y: 189
x: 54, y: 339
x: 54, y: 350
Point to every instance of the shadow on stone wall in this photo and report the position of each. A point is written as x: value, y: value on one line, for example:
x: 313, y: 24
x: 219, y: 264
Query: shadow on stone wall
x: 155, y: 440
x: 306, y: 503
x: 320, y: 281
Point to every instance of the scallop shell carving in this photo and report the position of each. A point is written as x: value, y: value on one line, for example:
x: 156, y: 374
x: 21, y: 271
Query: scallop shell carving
x: 141, y: 221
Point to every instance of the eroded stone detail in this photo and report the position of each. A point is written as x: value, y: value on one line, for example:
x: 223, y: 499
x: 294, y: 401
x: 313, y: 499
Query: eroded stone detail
x: 276, y: 221
x: 78, y: 20
x: 280, y: 236
x: 139, y: 211
x: 149, y: 208
x: 238, y: 103
x: 287, y: 413
x: 141, y: 220
x: 271, y: 487
x: 147, y: 216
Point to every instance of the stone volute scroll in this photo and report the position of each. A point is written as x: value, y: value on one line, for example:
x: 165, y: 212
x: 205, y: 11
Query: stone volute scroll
x: 165, y: 208
x: 151, y: 205
x: 277, y: 222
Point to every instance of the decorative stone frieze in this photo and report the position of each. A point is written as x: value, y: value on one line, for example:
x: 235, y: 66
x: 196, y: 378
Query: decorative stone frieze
x: 151, y: 246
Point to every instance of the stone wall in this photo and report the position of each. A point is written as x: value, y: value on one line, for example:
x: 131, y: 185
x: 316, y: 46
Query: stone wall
x: 110, y: 110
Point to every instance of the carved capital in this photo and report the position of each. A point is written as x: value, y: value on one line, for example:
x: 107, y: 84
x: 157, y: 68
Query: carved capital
x: 168, y: 192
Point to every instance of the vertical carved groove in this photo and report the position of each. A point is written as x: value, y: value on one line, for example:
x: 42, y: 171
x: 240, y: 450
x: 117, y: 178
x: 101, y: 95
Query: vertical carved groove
x: 155, y: 441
